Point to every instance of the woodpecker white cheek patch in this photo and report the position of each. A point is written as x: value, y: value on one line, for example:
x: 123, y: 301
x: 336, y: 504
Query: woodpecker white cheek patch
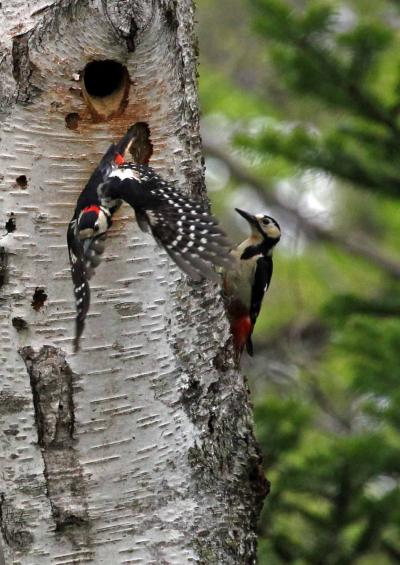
x: 102, y: 223
x: 273, y: 231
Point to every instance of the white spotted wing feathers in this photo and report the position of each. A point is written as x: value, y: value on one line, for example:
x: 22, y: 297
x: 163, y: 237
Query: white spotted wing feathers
x: 188, y: 233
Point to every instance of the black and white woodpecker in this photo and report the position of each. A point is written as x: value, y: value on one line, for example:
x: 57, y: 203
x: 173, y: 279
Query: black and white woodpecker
x: 186, y: 230
x: 246, y: 284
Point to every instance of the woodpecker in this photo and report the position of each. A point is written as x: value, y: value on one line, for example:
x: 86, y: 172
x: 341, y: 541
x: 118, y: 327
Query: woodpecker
x: 186, y: 230
x: 244, y: 285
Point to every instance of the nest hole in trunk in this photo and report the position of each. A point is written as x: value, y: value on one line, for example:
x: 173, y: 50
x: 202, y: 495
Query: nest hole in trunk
x: 105, y: 87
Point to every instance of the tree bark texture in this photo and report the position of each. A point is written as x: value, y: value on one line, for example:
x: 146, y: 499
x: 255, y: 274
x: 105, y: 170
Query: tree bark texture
x: 138, y: 449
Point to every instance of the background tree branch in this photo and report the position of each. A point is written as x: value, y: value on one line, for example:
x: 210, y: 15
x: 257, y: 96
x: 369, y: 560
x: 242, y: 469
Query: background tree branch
x: 365, y: 249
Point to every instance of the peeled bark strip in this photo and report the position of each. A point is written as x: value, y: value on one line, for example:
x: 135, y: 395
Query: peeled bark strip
x: 139, y: 449
x: 52, y: 394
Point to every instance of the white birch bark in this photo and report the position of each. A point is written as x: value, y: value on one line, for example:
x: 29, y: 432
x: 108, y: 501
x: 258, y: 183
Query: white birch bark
x: 139, y: 449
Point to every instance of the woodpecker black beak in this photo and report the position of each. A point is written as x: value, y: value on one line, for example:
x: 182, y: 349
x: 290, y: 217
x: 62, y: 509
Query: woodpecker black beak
x: 251, y: 219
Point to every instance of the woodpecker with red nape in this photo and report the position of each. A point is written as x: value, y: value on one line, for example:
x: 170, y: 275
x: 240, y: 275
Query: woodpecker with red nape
x: 186, y: 230
x: 246, y: 284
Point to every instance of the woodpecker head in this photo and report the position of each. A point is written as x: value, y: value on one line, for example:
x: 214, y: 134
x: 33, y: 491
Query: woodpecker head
x: 92, y: 221
x: 263, y: 227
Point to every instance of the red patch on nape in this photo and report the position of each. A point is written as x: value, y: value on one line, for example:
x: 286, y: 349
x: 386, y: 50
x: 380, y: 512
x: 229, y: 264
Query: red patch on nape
x: 92, y: 208
x: 241, y: 329
x: 119, y: 159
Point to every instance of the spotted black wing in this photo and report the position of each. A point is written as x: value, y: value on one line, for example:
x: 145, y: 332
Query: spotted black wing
x: 188, y: 233
x: 261, y: 283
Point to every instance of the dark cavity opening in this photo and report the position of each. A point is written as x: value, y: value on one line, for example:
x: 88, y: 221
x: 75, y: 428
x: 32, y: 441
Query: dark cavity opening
x: 39, y: 298
x: 142, y: 147
x: 11, y: 224
x: 102, y: 78
x: 72, y: 120
x: 22, y: 181
x: 19, y: 323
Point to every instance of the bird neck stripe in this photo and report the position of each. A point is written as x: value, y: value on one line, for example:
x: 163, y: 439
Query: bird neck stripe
x: 105, y: 211
x: 264, y: 248
x: 267, y: 245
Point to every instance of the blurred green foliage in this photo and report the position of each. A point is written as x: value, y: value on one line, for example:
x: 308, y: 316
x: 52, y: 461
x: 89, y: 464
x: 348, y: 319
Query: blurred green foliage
x: 315, y: 86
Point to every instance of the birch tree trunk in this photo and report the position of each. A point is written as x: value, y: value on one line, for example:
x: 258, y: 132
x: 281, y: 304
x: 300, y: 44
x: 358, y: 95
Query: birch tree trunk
x: 138, y: 449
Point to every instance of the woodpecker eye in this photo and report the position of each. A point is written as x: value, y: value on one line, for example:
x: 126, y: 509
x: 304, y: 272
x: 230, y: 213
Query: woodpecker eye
x: 265, y: 222
x: 96, y: 227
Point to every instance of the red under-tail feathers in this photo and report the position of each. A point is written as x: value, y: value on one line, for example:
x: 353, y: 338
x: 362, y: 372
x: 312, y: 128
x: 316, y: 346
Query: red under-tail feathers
x: 242, y: 328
